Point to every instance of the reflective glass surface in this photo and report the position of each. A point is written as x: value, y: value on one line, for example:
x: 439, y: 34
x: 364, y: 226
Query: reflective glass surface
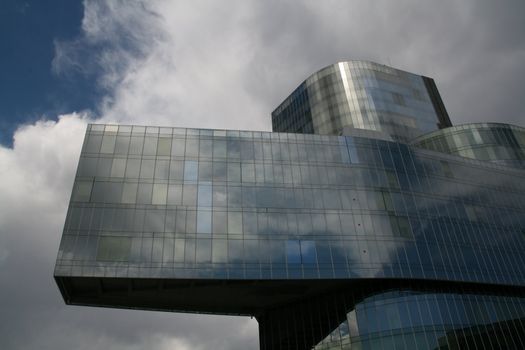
x: 318, y: 206
x: 408, y: 319
x: 254, y: 206
x: 363, y: 95
x: 497, y: 143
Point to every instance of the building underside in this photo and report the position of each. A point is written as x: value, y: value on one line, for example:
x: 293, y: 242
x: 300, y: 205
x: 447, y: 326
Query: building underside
x: 300, y: 314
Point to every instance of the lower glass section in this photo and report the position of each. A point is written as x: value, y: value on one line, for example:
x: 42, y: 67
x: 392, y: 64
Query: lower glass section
x: 416, y: 320
x: 406, y: 316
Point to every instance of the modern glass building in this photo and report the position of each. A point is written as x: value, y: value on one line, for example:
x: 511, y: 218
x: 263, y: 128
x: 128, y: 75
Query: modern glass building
x: 492, y: 142
x: 349, y: 228
x: 363, y: 95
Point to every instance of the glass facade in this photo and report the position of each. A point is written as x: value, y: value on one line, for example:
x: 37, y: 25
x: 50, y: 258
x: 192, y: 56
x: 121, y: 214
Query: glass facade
x: 493, y: 142
x: 331, y: 242
x: 406, y: 319
x: 363, y: 95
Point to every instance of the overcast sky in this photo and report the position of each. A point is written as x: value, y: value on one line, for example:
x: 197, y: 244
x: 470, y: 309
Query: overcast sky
x: 210, y: 64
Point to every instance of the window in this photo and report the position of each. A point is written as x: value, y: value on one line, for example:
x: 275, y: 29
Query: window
x: 144, y: 193
x: 118, y: 167
x: 234, y: 222
x: 192, y: 148
x: 113, y: 248
x: 203, y: 254
x: 220, y: 224
x: 132, y: 168
x: 293, y: 252
x: 219, y: 149
x: 205, y: 171
x: 176, y: 170
x: 108, y: 144
x: 150, y: 146
x: 204, y: 221
x: 447, y: 171
x: 82, y: 191
x: 190, y: 170
x: 189, y: 195
x: 129, y: 193
x: 234, y: 172
x: 154, y: 220
x: 174, y: 195
x: 308, y: 255
x: 204, y: 196
x: 92, y: 144
x: 164, y: 146
x: 159, y: 194
x: 135, y: 146
x: 162, y: 169
x: 147, y: 168
x: 205, y: 149
x: 178, y: 148
x: 122, y: 145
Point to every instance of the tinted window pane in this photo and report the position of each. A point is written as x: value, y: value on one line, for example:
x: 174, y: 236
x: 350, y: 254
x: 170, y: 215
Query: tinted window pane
x: 113, y: 248
x: 190, y: 170
x: 118, y: 167
x: 164, y: 146
x: 159, y: 194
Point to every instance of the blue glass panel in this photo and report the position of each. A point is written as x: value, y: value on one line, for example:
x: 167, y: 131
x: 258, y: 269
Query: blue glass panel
x: 293, y: 252
x: 191, y: 170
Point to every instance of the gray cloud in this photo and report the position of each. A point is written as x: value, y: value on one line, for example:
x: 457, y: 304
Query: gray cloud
x: 211, y: 64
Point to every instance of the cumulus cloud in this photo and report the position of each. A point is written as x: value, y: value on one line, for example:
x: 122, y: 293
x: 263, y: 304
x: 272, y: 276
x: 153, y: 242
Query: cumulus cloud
x: 219, y: 65
x: 115, y: 35
x: 37, y: 174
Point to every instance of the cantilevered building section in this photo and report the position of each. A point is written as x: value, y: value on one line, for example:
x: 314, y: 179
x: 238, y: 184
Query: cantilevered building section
x: 347, y: 229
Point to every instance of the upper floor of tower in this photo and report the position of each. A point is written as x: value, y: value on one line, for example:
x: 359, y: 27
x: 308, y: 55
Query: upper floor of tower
x: 363, y: 95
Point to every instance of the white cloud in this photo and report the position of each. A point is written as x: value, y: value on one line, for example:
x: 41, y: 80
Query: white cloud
x: 41, y: 162
x: 37, y: 176
x: 194, y: 70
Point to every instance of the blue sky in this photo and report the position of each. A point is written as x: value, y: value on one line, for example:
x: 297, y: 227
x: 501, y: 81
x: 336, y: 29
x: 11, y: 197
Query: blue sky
x: 199, y: 63
x: 29, y: 89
